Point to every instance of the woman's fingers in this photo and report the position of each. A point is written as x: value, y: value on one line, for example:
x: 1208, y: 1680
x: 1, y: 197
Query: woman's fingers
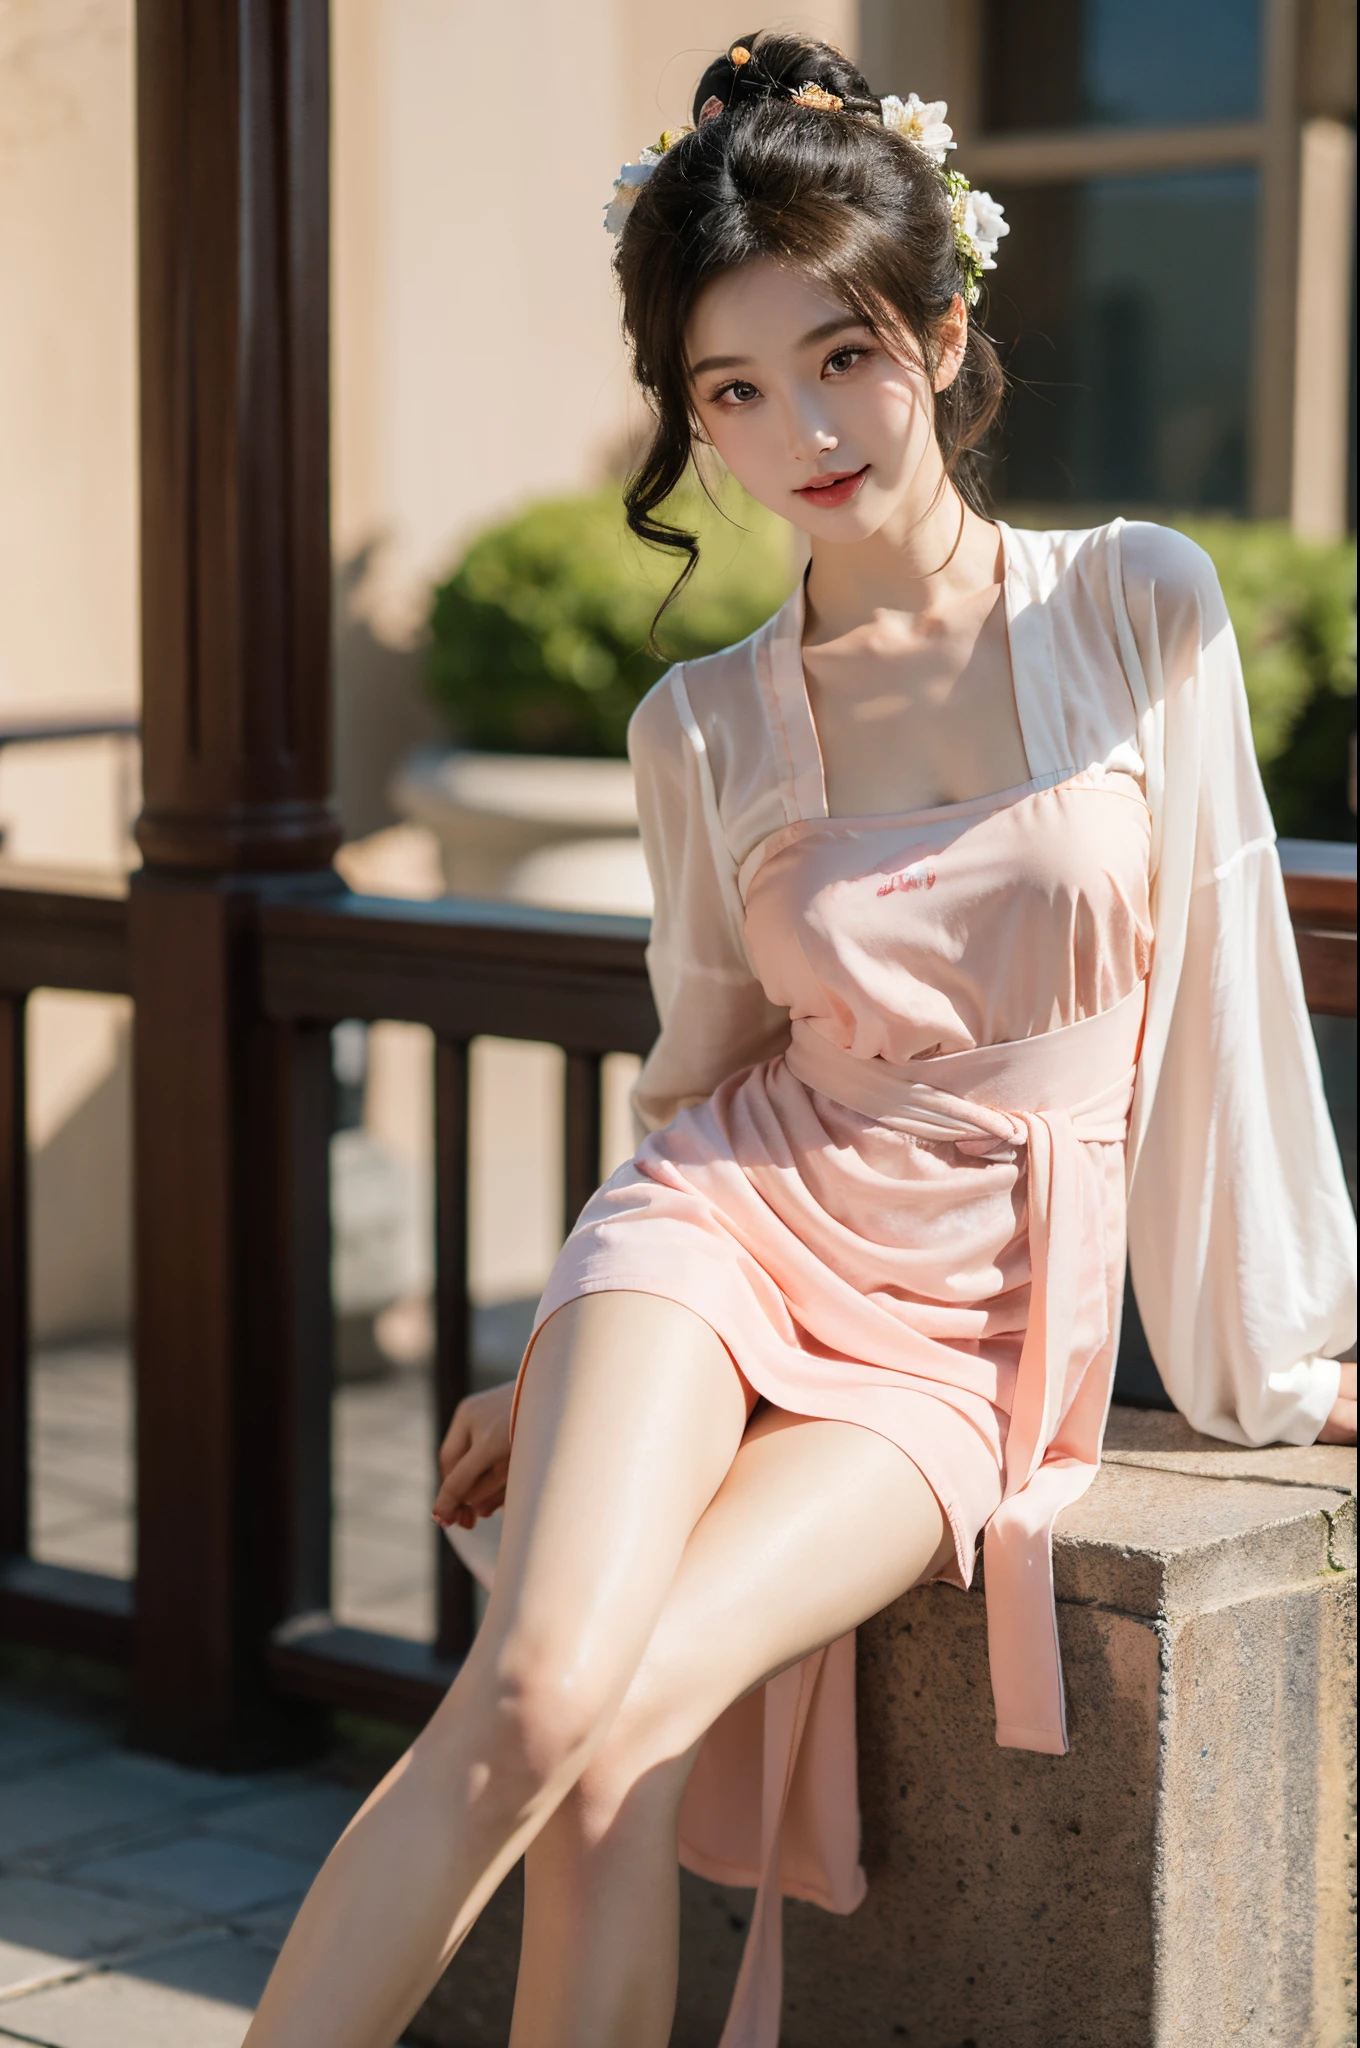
x: 476, y: 1445
x: 457, y: 1438
x: 1339, y: 1428
x: 489, y: 1491
x: 481, y: 1469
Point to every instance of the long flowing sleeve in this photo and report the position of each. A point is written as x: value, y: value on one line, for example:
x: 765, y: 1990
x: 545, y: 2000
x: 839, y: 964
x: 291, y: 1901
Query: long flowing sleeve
x: 715, y: 1016
x: 1241, y: 1236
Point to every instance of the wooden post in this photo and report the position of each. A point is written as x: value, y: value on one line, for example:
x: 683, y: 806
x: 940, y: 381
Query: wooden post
x: 231, y: 1117
x: 14, y: 1487
x: 454, y: 1620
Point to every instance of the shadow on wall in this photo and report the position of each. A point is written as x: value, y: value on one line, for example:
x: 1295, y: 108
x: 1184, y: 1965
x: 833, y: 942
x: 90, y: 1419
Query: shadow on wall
x: 381, y: 711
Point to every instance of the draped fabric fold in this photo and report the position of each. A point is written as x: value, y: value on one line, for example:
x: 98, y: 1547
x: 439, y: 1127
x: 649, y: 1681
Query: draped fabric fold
x: 884, y: 1129
x: 1050, y: 1095
x: 1083, y: 1075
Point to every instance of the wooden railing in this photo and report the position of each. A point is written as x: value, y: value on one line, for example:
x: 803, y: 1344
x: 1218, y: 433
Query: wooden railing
x: 63, y: 940
x: 463, y: 969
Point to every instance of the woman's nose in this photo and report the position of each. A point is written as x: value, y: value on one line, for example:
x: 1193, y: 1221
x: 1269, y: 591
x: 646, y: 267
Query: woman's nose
x: 809, y: 437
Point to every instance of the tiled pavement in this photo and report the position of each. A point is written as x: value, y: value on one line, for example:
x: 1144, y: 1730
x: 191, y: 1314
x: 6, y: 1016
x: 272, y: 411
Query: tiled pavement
x: 383, y: 1542
x: 384, y: 1444
x: 81, y: 1418
x: 141, y: 1904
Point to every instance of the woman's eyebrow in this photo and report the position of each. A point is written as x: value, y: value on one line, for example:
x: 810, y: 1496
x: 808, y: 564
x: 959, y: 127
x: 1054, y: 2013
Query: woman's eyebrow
x: 717, y: 363
x: 838, y: 325
x: 828, y: 328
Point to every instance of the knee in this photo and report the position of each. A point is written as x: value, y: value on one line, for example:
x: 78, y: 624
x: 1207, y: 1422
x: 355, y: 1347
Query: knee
x: 642, y: 1762
x: 543, y: 1712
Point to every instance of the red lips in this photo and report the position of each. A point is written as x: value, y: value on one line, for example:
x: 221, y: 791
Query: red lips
x: 837, y: 488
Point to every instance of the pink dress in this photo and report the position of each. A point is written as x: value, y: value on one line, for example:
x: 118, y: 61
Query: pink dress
x: 888, y: 1113
x: 854, y: 1217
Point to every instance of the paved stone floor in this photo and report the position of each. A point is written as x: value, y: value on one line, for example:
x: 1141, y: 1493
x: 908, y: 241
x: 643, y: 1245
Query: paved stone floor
x: 384, y: 1544
x: 141, y: 1904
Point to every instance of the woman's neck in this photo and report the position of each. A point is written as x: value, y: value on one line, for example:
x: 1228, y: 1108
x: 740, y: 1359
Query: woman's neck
x: 922, y: 560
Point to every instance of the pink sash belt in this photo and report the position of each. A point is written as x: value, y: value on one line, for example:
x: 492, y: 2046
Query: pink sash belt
x: 1051, y: 1094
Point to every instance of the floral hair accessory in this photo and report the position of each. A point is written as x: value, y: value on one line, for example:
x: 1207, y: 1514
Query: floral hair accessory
x: 979, y: 225
x: 921, y: 121
x: 632, y: 178
x: 810, y: 94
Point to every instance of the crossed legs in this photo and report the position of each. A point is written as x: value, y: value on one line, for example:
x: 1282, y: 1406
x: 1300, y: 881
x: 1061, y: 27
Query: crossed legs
x: 653, y: 1567
x: 817, y: 1526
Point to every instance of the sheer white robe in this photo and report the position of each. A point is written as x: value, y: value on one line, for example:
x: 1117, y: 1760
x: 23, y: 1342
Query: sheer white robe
x: 1241, y: 1236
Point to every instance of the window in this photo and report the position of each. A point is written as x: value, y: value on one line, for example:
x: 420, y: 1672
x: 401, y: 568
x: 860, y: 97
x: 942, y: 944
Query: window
x: 1119, y: 63
x: 1125, y: 316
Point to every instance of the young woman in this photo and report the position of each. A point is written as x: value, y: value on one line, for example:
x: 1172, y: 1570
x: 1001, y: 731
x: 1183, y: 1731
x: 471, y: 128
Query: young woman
x: 968, y: 918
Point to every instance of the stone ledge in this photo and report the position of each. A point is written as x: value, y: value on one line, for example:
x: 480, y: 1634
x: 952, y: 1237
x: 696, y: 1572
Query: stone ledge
x: 1183, y: 1877
x: 1167, y: 1443
x: 1177, y: 1523
x: 1165, y: 1543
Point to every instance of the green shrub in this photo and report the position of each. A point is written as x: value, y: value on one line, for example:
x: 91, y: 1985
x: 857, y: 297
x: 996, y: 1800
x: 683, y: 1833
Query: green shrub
x: 1293, y: 608
x: 539, y: 637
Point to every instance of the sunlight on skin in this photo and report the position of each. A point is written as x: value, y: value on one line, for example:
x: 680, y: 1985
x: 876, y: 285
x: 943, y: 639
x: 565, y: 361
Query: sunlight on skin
x: 790, y: 387
x: 905, y: 646
x: 630, y: 1455
x: 903, y: 624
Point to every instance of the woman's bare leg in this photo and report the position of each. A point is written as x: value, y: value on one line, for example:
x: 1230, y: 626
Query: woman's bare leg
x: 630, y: 1415
x: 817, y: 1526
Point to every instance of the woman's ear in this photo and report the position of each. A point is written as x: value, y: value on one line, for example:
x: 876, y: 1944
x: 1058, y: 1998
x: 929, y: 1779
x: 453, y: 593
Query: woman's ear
x: 953, y: 342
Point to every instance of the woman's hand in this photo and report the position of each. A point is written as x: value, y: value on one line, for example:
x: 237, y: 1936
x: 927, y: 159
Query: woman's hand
x: 474, y: 1458
x: 1339, y: 1428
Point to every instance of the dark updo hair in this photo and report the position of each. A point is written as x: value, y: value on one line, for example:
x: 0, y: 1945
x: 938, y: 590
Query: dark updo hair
x: 855, y: 206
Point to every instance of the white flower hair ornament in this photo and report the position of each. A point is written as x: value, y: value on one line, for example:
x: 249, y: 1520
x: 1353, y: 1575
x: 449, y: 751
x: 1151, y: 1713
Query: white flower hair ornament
x: 632, y: 178
x: 979, y: 225
x: 921, y: 121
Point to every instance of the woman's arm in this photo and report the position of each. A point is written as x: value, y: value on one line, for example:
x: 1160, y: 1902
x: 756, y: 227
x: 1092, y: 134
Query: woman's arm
x: 715, y: 1016
x: 1241, y: 1234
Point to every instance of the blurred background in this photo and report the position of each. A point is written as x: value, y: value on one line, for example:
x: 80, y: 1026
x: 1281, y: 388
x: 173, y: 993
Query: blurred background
x: 1176, y: 302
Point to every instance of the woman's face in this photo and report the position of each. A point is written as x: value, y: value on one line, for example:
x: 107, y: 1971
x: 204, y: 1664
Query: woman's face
x: 806, y: 406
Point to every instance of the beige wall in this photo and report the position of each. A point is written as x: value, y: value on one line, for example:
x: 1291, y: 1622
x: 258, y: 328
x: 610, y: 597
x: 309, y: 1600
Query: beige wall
x: 68, y: 619
x: 476, y: 364
x: 477, y: 359
x: 68, y: 624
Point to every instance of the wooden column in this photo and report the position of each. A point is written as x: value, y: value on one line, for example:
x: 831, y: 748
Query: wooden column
x: 14, y: 1489
x: 231, y: 1115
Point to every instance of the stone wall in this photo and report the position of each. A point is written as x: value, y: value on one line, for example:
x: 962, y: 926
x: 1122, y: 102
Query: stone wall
x: 1184, y: 1877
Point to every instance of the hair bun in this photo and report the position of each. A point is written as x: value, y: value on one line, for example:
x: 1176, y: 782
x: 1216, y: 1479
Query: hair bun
x: 771, y: 64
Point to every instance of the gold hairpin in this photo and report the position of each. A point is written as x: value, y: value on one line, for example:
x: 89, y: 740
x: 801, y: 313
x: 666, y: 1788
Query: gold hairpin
x: 809, y: 94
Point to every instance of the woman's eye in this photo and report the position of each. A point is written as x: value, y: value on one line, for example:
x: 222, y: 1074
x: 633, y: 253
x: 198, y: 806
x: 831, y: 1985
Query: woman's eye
x: 842, y: 359
x: 738, y: 393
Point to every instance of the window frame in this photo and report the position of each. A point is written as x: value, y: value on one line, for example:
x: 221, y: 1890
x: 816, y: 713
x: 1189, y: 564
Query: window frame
x: 939, y: 42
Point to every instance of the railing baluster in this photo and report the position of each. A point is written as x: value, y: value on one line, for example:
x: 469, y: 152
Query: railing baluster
x: 453, y: 1319
x: 13, y: 1280
x: 581, y: 1150
x: 304, y: 1055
